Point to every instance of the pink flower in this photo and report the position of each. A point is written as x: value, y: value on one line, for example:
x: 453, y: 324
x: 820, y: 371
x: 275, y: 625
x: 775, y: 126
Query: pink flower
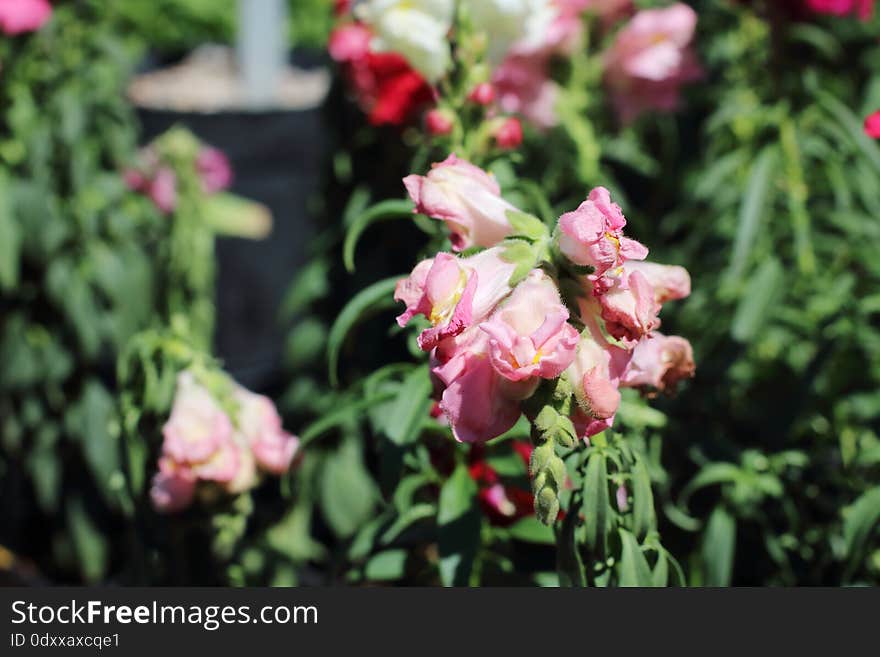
x: 632, y: 301
x: 465, y: 197
x: 622, y: 499
x: 198, y: 427
x: 524, y: 87
x: 592, y: 235
x: 154, y: 180
x: 595, y: 374
x: 670, y: 282
x: 438, y: 122
x: 872, y: 125
x: 223, y: 465
x: 479, y: 403
x: 864, y: 8
x: 659, y: 362
x: 349, y: 43
x: 19, y: 16
x: 509, y: 134
x: 529, y: 333
x: 453, y: 293
x: 650, y: 60
x: 259, y: 422
x: 173, y: 487
x: 214, y: 170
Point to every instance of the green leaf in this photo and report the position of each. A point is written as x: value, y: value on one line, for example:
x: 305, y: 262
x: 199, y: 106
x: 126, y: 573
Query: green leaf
x: 526, y: 225
x: 595, y: 494
x: 853, y: 126
x: 521, y: 254
x: 348, y: 493
x: 531, y: 530
x: 410, y: 407
x: 858, y: 521
x: 92, y: 420
x: 758, y: 298
x: 342, y: 416
x: 309, y: 285
x: 406, y: 519
x: 377, y: 297
x: 752, y: 211
x: 569, y: 564
x: 459, y: 523
x: 10, y: 239
x: 385, y: 566
x: 633, y: 569
x: 660, y: 575
x: 89, y: 543
x: 643, y: 500
x: 719, y: 545
x: 390, y: 209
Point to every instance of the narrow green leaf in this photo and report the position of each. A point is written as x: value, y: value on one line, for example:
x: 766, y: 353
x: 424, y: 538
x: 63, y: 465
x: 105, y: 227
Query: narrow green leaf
x: 633, y: 569
x: 569, y: 564
x: 459, y: 523
x: 10, y: 239
x: 853, y: 126
x: 752, y: 210
x: 410, y: 408
x: 378, y: 296
x: 643, y: 500
x: 858, y: 521
x: 595, y: 494
x: 660, y: 576
x: 719, y: 545
x: 760, y: 294
x: 347, y: 491
x: 384, y: 211
x: 385, y: 566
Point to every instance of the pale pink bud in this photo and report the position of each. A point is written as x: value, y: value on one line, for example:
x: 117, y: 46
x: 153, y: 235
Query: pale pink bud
x: 214, y: 170
x: 622, y: 499
x: 465, y: 197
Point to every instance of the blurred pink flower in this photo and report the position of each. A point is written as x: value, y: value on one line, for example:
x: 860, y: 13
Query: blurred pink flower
x: 482, y: 94
x: 872, y: 125
x: 529, y: 333
x: 173, y: 487
x: 659, y: 362
x: 214, y: 170
x: 259, y: 422
x: 863, y: 8
x: 349, y: 43
x: 509, y: 133
x: 19, y: 16
x: 650, y: 60
x: 453, y: 293
x: 198, y: 427
x: 465, y: 197
x: 524, y: 87
x: 439, y: 122
x: 592, y: 235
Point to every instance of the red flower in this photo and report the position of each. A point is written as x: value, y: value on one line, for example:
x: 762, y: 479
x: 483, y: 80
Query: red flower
x: 509, y: 134
x: 386, y: 87
x: 503, y: 504
x: 864, y: 8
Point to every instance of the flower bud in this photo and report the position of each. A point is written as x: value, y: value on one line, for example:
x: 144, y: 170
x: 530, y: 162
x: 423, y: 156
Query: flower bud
x: 439, y: 122
x: 509, y: 134
x: 872, y: 125
x: 483, y: 94
x: 547, y: 505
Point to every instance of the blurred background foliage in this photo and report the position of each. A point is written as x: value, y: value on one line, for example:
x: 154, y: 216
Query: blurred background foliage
x: 764, y: 468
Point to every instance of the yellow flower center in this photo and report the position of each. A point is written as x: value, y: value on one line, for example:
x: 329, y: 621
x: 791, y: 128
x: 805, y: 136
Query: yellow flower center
x: 443, y: 310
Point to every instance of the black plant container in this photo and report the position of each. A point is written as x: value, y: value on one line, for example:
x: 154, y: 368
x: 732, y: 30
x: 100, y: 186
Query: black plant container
x: 277, y: 158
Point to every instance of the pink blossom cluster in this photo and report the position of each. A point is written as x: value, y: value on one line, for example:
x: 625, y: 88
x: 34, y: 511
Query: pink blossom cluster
x: 872, y: 125
x: 157, y: 180
x: 203, y: 443
x: 496, y: 332
x: 21, y: 16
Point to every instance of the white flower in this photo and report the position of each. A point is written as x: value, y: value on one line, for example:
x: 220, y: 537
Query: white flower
x: 416, y: 29
x: 509, y: 22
